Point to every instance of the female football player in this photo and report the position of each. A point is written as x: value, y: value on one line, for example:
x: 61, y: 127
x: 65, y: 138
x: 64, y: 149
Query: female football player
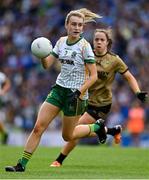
x: 100, y: 94
x: 78, y: 73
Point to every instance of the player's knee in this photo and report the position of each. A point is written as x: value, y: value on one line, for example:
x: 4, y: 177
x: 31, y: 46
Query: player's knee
x: 83, y: 121
x: 67, y: 137
x: 38, y: 129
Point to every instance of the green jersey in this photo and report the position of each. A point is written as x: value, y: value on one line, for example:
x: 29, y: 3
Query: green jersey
x: 100, y: 94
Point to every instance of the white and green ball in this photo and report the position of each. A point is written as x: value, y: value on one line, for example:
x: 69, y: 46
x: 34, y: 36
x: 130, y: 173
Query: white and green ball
x: 41, y: 47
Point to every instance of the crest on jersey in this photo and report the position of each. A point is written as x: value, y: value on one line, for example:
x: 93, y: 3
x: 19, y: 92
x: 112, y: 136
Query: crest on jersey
x: 73, y: 55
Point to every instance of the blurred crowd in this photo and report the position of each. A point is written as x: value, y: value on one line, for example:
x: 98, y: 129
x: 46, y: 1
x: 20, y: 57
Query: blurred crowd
x: 23, y: 21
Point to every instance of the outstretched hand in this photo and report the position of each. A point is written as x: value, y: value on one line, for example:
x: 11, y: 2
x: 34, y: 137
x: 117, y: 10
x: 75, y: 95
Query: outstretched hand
x: 142, y: 96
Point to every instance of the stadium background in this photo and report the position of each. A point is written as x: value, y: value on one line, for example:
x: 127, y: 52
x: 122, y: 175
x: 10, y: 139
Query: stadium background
x: 22, y: 21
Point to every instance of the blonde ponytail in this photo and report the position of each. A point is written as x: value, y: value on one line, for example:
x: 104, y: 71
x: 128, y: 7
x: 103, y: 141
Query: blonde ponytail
x: 87, y: 15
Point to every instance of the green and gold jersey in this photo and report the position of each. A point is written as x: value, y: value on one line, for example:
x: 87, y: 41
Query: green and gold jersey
x: 100, y: 94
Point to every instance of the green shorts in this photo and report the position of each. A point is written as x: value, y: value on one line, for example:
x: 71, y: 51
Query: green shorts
x: 59, y: 97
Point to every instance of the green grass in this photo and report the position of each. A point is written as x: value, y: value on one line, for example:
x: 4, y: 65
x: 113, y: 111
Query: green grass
x: 85, y: 162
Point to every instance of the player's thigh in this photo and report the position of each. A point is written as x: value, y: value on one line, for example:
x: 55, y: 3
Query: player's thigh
x: 69, y: 123
x: 47, y: 113
x: 86, y: 119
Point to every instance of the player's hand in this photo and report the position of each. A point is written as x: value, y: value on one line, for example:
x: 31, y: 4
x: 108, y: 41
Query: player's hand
x: 142, y: 96
x: 73, y: 96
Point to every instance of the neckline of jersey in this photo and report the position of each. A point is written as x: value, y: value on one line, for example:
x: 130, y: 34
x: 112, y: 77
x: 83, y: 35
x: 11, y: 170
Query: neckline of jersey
x: 100, y: 55
x: 70, y: 44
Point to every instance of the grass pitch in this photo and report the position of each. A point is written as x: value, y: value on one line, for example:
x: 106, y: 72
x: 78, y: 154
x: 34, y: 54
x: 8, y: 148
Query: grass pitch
x: 85, y: 162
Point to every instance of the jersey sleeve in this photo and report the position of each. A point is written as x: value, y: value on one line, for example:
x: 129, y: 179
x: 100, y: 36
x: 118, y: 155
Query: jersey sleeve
x: 88, y: 54
x: 55, y: 51
x: 121, y: 66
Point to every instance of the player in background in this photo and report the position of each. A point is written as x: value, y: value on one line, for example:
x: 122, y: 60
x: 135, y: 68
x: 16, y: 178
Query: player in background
x: 4, y: 87
x: 78, y: 73
x: 100, y: 94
